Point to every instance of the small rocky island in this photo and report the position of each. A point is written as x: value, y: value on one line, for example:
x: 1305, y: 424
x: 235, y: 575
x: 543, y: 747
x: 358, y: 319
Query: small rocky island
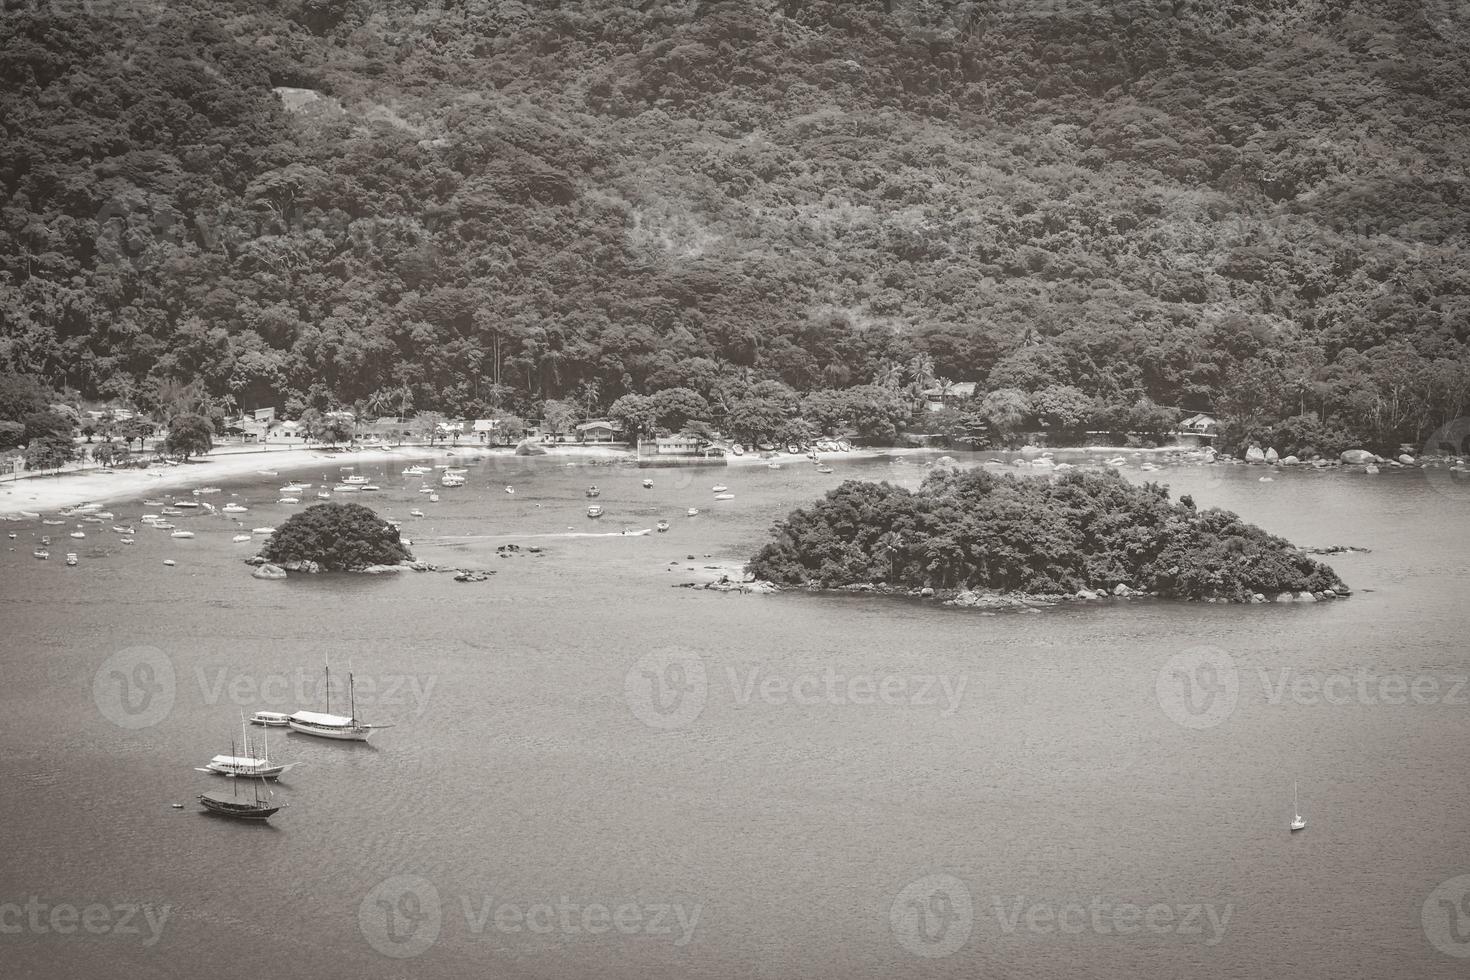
x: 978, y: 539
x: 333, y: 538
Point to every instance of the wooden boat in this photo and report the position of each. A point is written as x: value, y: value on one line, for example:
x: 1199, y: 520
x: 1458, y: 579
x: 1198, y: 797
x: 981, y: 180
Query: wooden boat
x: 231, y: 805
x: 594, y: 511
x: 247, y: 765
x: 325, y: 725
x: 270, y: 719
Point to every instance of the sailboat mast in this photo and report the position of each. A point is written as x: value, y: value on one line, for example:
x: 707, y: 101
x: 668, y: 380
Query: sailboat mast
x: 328, y: 668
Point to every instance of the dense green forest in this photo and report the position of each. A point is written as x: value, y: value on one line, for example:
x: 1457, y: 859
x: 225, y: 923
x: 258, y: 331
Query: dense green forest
x: 1092, y: 209
x: 969, y: 529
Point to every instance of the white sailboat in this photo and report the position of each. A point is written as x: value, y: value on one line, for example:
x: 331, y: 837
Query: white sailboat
x: 1297, y: 822
x: 327, y: 725
x: 248, y: 764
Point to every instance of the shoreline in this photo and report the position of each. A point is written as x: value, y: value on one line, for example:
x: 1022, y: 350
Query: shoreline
x: 52, y: 492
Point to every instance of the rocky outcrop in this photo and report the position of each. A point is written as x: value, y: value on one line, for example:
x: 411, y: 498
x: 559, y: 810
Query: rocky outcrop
x: 726, y: 584
x: 1406, y: 459
x: 381, y: 569
x: 472, y: 575
x: 268, y: 571
x: 1255, y: 455
x: 302, y: 565
x: 528, y: 448
x: 1271, y: 455
x: 1356, y: 457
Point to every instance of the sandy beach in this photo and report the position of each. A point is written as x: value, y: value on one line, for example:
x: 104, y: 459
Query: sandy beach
x: 40, y: 494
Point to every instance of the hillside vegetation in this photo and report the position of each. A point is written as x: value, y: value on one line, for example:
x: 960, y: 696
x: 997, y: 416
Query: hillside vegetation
x: 1090, y: 208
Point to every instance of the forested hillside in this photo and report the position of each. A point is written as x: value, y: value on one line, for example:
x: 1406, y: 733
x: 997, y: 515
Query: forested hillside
x: 1091, y: 208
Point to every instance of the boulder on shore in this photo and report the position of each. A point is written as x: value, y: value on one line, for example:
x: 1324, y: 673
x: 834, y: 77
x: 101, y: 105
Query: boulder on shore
x: 1357, y: 456
x: 528, y: 448
x: 1406, y: 459
x: 1255, y: 455
x: 305, y: 565
x: 1271, y: 455
x: 269, y: 572
x: 380, y: 569
x: 1289, y: 461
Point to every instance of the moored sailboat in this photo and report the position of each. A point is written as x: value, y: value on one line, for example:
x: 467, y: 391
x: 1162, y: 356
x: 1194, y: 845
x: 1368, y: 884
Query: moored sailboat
x: 327, y: 725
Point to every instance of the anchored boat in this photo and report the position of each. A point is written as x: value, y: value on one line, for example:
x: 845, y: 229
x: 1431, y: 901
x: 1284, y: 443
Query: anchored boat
x: 326, y: 725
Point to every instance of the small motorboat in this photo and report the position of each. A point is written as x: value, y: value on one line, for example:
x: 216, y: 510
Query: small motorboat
x: 292, y: 488
x: 426, y: 489
x: 204, y: 490
x: 510, y: 489
x: 415, y: 513
x: 415, y: 470
x: 122, y: 530
x: 724, y: 496
x: 182, y: 534
x: 323, y: 495
x: 91, y: 520
x: 433, y: 498
x: 289, y: 500
x: 593, y: 492
x: 240, y: 537
x: 262, y: 530
x: 53, y: 523
x: 693, y: 512
x: 662, y: 526
x: 234, y: 508
x: 163, y: 525
x: 170, y: 562
x: 824, y: 469
x: 738, y: 449
x: 187, y: 504
x: 648, y: 484
x: 11, y: 535
x: 720, y: 488
x: 773, y: 466
x: 271, y: 719
x: 78, y: 534
x: 594, y: 511
x: 172, y: 512
x: 368, y: 487
x: 357, y: 479
x: 125, y: 540
x: 793, y: 449
x: 71, y: 557
x: 153, y: 503
x: 266, y: 472
x: 346, y: 488
x: 41, y: 553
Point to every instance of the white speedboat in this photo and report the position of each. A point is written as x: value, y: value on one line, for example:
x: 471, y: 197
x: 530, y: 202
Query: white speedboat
x: 78, y: 534
x: 291, y: 488
x: 1297, y: 820
x: 204, y: 490
x: 271, y: 719
x: 323, y: 495
x: 510, y: 489
x: 415, y: 513
x: 433, y: 498
x: 187, y: 504
x: 693, y: 512
x: 71, y: 557
x: 289, y: 500
x: 594, y: 511
x: 234, y: 508
x: 262, y: 530
x: 240, y: 537
x: 182, y: 534
x: 720, y: 488
x: 355, y: 479
x: 41, y: 553
x: 163, y: 525
x: 346, y: 488
x: 122, y: 530
x: 724, y: 496
x: 648, y: 484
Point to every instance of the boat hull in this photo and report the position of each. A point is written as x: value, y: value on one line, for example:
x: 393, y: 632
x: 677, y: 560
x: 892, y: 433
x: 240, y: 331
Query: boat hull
x: 238, y: 812
x: 341, y: 734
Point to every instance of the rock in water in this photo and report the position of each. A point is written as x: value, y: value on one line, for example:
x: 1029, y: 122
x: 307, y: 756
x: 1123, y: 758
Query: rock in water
x: 1357, y: 456
x: 269, y: 572
x: 1255, y: 455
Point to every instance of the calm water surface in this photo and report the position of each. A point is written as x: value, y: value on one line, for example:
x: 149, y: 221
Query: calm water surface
x: 595, y: 774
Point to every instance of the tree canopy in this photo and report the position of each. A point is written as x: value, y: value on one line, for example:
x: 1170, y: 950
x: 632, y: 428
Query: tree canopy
x: 338, y: 537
